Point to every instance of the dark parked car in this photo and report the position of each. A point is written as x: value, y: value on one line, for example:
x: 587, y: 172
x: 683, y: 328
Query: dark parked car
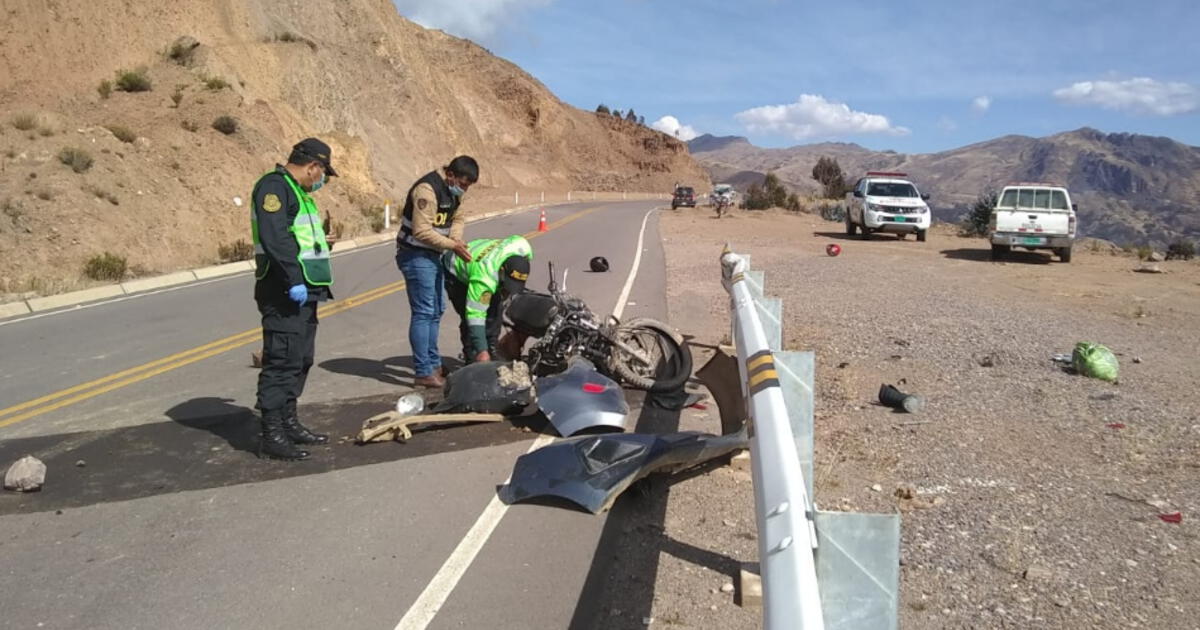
x: 684, y: 196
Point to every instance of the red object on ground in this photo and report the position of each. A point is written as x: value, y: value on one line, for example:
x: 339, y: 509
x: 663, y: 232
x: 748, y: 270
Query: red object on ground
x: 1115, y: 425
x: 1173, y: 517
x: 542, y: 222
x: 833, y: 249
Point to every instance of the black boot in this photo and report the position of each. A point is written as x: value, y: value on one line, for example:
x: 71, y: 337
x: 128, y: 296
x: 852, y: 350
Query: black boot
x: 275, y: 443
x: 298, y: 433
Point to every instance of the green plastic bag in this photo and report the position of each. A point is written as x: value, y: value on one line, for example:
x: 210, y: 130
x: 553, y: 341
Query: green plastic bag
x: 1094, y: 360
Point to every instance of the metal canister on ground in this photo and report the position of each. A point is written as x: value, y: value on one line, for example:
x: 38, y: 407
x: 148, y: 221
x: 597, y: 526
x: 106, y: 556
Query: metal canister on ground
x: 896, y: 399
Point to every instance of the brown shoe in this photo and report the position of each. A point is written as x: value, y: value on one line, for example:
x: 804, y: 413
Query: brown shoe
x: 432, y: 381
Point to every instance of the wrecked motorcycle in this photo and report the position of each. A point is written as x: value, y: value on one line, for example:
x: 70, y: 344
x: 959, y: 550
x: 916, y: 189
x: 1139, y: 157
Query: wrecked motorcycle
x: 642, y: 353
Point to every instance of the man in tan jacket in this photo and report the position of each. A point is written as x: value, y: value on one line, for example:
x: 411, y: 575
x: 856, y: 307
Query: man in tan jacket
x: 432, y: 224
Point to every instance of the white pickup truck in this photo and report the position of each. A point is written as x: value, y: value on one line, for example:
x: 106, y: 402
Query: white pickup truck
x: 887, y: 202
x: 1033, y: 216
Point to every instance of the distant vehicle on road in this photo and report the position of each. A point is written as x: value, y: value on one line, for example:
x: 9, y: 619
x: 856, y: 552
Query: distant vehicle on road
x: 722, y: 198
x: 1033, y: 216
x: 684, y: 196
x: 887, y: 202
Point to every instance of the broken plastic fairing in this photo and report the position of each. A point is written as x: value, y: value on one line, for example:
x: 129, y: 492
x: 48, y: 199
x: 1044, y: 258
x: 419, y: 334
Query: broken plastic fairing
x: 582, y: 398
x: 592, y: 471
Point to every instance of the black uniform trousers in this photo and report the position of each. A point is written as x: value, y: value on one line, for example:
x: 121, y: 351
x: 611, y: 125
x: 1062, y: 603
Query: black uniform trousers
x: 457, y: 292
x: 289, y: 345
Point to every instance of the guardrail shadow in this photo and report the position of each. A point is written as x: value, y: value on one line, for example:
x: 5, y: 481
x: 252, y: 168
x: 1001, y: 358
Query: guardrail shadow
x: 623, y: 572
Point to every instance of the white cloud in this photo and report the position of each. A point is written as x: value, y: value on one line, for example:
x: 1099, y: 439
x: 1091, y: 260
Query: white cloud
x: 813, y: 116
x: 1141, y: 95
x: 671, y: 126
x: 981, y: 104
x: 476, y: 20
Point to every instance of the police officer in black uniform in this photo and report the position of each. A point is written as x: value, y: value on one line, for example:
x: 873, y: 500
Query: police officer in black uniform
x: 292, y: 260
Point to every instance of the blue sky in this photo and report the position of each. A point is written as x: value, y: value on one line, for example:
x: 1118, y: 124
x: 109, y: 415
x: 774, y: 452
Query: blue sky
x: 914, y: 76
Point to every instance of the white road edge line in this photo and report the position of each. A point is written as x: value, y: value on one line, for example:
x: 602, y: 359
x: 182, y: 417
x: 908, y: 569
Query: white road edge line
x: 199, y: 283
x: 422, y: 612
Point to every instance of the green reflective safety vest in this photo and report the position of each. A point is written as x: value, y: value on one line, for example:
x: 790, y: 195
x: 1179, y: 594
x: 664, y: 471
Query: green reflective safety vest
x: 482, y: 274
x: 309, y: 234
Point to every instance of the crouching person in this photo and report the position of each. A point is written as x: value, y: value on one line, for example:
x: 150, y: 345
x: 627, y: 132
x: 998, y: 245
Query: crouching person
x: 498, y: 269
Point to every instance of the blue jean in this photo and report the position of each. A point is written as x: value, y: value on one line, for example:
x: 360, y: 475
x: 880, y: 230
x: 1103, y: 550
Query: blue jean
x: 424, y: 278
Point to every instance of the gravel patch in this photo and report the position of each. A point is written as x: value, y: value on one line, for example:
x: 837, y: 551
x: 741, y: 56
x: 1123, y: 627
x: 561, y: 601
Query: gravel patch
x: 1031, y: 497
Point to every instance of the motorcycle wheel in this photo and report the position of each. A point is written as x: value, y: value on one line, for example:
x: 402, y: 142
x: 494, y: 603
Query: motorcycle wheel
x: 669, y: 357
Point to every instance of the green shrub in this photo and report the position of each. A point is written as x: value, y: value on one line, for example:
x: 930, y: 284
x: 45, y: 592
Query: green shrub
x: 106, y: 266
x: 105, y: 88
x: 769, y: 194
x: 215, y: 83
x: 177, y: 98
x: 1181, y: 250
x: 77, y: 159
x: 1144, y: 252
x: 133, y: 81
x: 12, y: 208
x: 227, y: 125
x: 979, y: 217
x: 235, y: 251
x: 829, y: 173
x: 374, y: 215
x: 24, y: 121
x: 793, y: 203
x: 180, y: 52
x: 124, y: 134
x: 288, y: 37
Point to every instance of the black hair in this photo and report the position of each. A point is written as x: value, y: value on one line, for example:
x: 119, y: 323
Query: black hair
x: 464, y: 166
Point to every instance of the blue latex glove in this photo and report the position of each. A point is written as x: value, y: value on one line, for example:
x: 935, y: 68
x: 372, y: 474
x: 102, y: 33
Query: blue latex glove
x: 298, y: 294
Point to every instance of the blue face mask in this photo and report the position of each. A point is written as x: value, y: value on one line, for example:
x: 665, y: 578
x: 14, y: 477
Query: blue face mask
x: 319, y: 183
x: 456, y: 191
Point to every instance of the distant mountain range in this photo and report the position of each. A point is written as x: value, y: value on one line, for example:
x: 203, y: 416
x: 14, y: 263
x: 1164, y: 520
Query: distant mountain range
x: 1130, y: 188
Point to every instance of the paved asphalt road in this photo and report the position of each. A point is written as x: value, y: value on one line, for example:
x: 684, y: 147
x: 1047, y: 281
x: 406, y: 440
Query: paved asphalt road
x: 156, y: 514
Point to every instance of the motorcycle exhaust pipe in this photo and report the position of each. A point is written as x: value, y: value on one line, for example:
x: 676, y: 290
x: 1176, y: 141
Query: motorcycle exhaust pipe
x: 891, y: 397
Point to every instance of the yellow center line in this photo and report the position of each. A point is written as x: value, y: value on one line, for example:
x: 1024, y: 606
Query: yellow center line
x: 117, y: 380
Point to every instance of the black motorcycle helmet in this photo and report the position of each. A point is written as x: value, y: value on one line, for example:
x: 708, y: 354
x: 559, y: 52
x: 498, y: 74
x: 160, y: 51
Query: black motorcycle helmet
x: 599, y: 264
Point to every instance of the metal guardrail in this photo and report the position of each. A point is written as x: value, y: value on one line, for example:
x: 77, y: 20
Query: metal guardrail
x: 820, y: 570
x: 783, y: 508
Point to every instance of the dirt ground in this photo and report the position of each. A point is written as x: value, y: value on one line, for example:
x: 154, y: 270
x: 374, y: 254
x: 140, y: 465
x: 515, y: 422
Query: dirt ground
x: 1036, y: 493
x: 167, y: 191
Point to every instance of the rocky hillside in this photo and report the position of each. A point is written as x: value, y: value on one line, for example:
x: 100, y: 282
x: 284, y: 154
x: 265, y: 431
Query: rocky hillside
x: 393, y: 99
x: 1129, y: 188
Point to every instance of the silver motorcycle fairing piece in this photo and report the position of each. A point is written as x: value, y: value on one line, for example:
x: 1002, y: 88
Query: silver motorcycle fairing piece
x: 581, y: 398
x: 593, y: 470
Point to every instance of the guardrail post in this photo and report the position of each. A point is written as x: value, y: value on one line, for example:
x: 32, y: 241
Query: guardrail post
x: 797, y: 371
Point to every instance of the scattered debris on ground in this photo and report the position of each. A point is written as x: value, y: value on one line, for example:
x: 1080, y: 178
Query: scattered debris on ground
x: 27, y: 474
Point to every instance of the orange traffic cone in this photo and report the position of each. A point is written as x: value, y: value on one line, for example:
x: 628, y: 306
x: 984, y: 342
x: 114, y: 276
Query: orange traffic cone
x: 542, y: 221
